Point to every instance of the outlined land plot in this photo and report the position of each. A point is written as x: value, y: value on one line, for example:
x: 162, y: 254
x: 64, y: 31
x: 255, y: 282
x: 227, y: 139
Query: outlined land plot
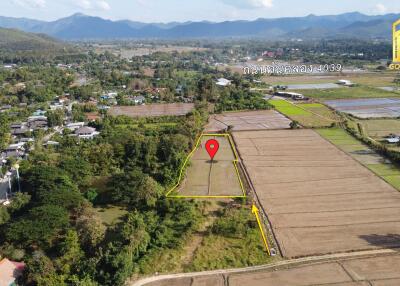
x: 201, y: 177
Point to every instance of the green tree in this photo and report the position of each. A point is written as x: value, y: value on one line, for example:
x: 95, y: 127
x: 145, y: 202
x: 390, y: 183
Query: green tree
x: 135, y: 188
x: 55, y: 118
x: 39, y: 227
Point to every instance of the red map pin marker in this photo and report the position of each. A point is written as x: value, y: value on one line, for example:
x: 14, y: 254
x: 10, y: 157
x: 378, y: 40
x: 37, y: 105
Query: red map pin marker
x: 212, y: 147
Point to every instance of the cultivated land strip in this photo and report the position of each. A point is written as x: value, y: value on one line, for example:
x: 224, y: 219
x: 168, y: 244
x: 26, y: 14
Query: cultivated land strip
x: 318, y: 199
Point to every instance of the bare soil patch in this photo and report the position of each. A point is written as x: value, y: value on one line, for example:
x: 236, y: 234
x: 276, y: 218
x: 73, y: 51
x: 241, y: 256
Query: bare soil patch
x: 152, y: 110
x: 318, y: 198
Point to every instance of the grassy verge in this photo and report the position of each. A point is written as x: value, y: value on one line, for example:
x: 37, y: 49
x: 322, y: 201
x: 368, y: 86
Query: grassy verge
x: 232, y: 241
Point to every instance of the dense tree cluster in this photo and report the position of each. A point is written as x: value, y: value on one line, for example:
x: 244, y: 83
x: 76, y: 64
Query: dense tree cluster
x: 55, y: 226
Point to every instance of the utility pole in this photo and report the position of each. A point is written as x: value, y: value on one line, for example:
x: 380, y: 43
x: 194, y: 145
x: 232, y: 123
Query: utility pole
x: 16, y: 167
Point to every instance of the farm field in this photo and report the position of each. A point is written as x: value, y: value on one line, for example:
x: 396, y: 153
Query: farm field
x: 368, y: 108
x: 312, y: 191
x: 368, y: 79
x: 363, y: 154
x: 313, y: 86
x: 248, y: 120
x: 152, y: 110
x: 307, y: 114
x: 349, y: 92
x: 207, y: 178
x: 380, y: 128
x: 364, y: 271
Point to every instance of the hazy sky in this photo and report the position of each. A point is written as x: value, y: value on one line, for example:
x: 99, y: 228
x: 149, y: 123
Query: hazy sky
x: 194, y: 10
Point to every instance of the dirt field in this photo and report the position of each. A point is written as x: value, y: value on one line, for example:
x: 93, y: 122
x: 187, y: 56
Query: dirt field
x: 216, y: 178
x: 319, y: 199
x: 368, y: 271
x: 248, y: 120
x: 152, y: 110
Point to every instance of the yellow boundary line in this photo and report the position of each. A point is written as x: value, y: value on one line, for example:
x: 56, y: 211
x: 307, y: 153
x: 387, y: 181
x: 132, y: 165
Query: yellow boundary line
x: 235, y: 163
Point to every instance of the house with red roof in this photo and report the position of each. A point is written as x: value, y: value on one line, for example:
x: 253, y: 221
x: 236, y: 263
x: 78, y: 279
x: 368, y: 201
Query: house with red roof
x: 10, y: 271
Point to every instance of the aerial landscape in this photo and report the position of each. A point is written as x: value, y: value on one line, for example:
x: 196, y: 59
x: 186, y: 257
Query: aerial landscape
x: 188, y: 143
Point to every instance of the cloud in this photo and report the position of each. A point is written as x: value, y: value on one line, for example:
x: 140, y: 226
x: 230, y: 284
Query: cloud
x: 381, y: 8
x: 84, y: 4
x: 249, y: 4
x: 30, y: 3
x: 103, y: 5
x: 93, y: 5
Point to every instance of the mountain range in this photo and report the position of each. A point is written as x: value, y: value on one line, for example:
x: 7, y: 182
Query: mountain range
x: 15, y: 40
x: 83, y: 27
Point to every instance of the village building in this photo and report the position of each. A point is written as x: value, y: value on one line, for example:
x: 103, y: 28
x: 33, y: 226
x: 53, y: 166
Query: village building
x: 10, y: 271
x: 345, y: 82
x: 292, y: 95
x: 86, y: 132
x: 75, y: 125
x: 223, y: 82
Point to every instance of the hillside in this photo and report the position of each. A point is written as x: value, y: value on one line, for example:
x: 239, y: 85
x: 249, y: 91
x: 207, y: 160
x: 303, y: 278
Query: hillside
x: 82, y: 27
x: 15, y: 40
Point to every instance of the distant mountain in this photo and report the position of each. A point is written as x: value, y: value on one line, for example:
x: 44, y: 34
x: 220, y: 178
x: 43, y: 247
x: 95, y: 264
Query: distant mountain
x: 15, y: 40
x: 83, y: 27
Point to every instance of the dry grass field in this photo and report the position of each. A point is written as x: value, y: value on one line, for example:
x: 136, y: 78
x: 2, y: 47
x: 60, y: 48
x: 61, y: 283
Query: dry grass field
x: 152, y: 110
x: 319, y: 200
x: 211, y: 178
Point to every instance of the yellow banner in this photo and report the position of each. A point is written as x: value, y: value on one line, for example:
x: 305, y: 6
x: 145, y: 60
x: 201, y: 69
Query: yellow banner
x: 396, y: 42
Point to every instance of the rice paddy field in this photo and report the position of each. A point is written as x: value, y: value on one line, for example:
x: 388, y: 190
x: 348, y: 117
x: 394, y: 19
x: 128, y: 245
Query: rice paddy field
x: 368, y: 107
x: 380, y: 128
x: 247, y: 120
x: 367, y: 79
x: 309, y: 115
x: 349, y: 92
x: 318, y: 198
x: 363, y: 154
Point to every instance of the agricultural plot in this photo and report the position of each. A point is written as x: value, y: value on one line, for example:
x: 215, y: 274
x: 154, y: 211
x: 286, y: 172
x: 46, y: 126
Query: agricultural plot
x: 368, y: 108
x: 152, y: 110
x: 367, y: 79
x: 363, y: 154
x: 205, y: 178
x: 307, y: 114
x: 319, y: 200
x: 248, y: 120
x: 313, y: 86
x: 349, y: 92
x: 380, y: 128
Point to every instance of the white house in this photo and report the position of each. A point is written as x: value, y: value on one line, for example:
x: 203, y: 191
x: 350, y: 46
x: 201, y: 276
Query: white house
x: 293, y: 95
x: 75, y: 125
x: 86, y: 132
x: 56, y: 106
x: 139, y: 99
x: 223, y: 82
x: 345, y: 82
